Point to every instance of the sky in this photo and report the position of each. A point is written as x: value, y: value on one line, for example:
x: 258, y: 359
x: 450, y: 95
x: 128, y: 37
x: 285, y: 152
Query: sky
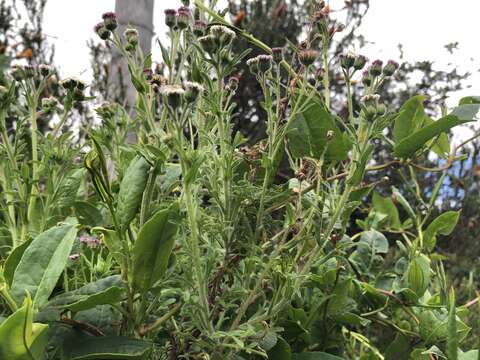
x: 423, y: 27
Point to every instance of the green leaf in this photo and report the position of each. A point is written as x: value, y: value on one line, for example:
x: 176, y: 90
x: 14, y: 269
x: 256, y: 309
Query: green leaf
x: 439, y: 145
x: 281, y: 351
x: 109, y: 290
x: 469, y: 100
x: 418, y: 275
x: 469, y: 355
x: 385, y: 205
x: 315, y: 356
x: 131, y: 191
x: 357, y: 176
x: 42, y: 264
x: 67, y: 192
x: 21, y: 339
x: 443, y: 224
x: 452, y: 339
x: 153, y: 248
x: 410, y: 118
x: 411, y: 143
x: 307, y: 134
x: 105, y: 347
x: 466, y: 112
x: 403, y: 202
x: 13, y: 259
x: 375, y: 240
x: 111, y: 240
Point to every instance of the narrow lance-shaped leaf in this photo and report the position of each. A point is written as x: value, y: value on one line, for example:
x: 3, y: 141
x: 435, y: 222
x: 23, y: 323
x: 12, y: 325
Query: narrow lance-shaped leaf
x: 131, y: 191
x: 443, y: 224
x: 153, y: 247
x: 42, y: 264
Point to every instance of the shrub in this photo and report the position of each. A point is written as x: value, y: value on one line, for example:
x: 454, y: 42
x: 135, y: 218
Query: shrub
x: 182, y: 245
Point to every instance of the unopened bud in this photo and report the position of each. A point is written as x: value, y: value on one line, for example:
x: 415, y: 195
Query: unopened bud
x: 170, y: 17
x: 131, y: 35
x: 264, y: 63
x: 192, y: 91
x: 360, y: 62
x: 208, y: 43
x: 199, y: 27
x: 308, y: 57
x: 347, y: 60
x: 102, y: 31
x: 390, y: 68
x: 277, y: 54
x: 49, y: 104
x: 375, y: 68
x: 183, y: 17
x: 44, y: 70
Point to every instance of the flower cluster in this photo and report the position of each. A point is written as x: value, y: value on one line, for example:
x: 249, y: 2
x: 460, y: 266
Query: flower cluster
x: 74, y: 87
x: 218, y: 37
x: 260, y: 64
x: 178, y: 19
x: 24, y: 72
x: 371, y: 107
x: 104, y: 28
x: 176, y: 94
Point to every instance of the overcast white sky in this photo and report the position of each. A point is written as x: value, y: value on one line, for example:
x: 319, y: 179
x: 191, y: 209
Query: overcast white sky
x: 422, y: 26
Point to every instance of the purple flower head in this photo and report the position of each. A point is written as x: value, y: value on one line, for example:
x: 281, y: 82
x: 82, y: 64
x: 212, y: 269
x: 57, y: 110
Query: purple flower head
x: 375, y: 68
x: 74, y: 257
x: 277, y: 54
x: 390, y: 68
x: 110, y: 20
x: 170, y: 17
x: 90, y: 241
x: 102, y: 31
x: 199, y: 27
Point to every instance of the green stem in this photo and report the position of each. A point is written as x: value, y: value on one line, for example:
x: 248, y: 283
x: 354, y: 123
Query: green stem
x: 8, y: 298
x: 35, y: 175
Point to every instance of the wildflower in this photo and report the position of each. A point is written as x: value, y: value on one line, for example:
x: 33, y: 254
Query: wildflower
x: 158, y: 80
x: 173, y: 94
x: 390, y: 68
x: 370, y: 106
x: 232, y: 84
x: 170, y: 17
x: 208, y: 43
x: 347, y: 60
x: 366, y: 78
x: 131, y: 35
x: 183, y: 17
x: 74, y: 257
x: 49, y: 104
x: 44, y: 70
x: 277, y: 54
x: 360, y: 62
x: 90, y: 241
x: 307, y: 57
x: 199, y: 27
x: 222, y: 34
x: 375, y: 68
x: 264, y: 62
x: 110, y: 20
x: 148, y: 74
x: 192, y: 91
x: 74, y: 86
x: 102, y: 31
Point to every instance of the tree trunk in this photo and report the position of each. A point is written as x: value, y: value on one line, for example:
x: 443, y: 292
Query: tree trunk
x: 137, y: 14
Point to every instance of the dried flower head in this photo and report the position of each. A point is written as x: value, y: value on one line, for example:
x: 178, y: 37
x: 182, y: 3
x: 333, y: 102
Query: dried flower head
x: 192, y: 91
x: 131, y: 35
x: 170, y: 17
x: 102, y: 31
x: 44, y: 70
x: 264, y: 62
x: 208, y: 43
x: 307, y: 57
x: 348, y: 60
x: 49, y: 104
x: 222, y: 34
x: 173, y: 94
x: 110, y: 20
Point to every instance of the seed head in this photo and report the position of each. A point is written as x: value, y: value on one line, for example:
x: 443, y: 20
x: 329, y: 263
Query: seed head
x: 277, y: 54
x: 252, y: 63
x: 106, y: 110
x: 131, y: 35
x: 192, y: 91
x: 307, y: 57
x: 390, y: 68
x: 199, y: 27
x: 222, y: 34
x: 44, y: 70
x: 375, y: 68
x: 110, y: 20
x: 170, y: 17
x: 102, y: 31
x: 264, y: 62
x: 232, y: 84
x: 49, y: 104
x: 209, y: 43
x: 173, y: 94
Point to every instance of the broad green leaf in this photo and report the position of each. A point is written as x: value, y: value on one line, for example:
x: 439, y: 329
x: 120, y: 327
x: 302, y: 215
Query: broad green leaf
x: 399, y: 348
x: 131, y: 191
x: 153, y: 247
x: 42, y: 264
x: 307, y: 134
x: 87, y: 213
x: 315, y: 356
x: 109, y: 290
x: 13, y: 259
x: 443, y: 224
x: 466, y: 112
x: 105, y: 347
x: 385, y: 205
x: 411, y: 143
x: 20, y: 338
x: 403, y: 202
x: 439, y: 145
x: 410, y: 118
x: 469, y: 100
x: 469, y: 355
x: 418, y: 274
x: 281, y: 351
x: 67, y: 192
x: 375, y: 240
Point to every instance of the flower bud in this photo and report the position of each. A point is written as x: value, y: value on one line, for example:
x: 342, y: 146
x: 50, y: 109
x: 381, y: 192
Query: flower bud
x: 183, y: 17
x: 148, y: 74
x: 369, y: 105
x: 264, y: 63
x: 199, y: 27
x: 360, y: 62
x: 347, y: 60
x: 390, y: 68
x: 106, y: 110
x: 192, y: 91
x: 366, y: 78
x: 173, y: 95
x: 170, y: 17
x: 208, y: 43
x: 90, y: 241
x: 69, y: 83
x: 74, y: 257
x: 17, y: 72
x: 381, y: 109
x: 44, y: 70
x: 277, y: 54
x: 308, y: 57
x: 101, y: 30
x: 375, y: 68
x: 320, y: 74
x: 110, y: 20
x: 49, y: 104
x: 252, y: 64
x: 131, y: 35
